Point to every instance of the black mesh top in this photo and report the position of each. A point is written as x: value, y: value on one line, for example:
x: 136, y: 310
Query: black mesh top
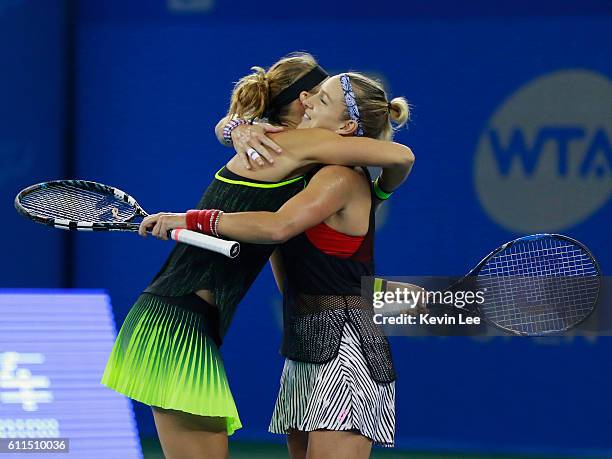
x: 321, y: 293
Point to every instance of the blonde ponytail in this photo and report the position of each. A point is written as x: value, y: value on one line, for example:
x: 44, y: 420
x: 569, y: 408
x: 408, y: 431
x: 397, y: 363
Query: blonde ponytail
x: 251, y: 95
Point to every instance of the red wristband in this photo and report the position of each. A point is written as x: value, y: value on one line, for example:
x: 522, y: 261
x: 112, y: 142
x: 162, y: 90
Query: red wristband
x: 192, y: 220
x: 202, y: 221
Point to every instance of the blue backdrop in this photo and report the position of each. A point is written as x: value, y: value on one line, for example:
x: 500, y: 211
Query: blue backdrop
x: 152, y: 80
x: 32, y: 74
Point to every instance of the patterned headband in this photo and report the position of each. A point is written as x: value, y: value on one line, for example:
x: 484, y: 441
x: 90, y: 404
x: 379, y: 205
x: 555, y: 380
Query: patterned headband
x: 351, y: 102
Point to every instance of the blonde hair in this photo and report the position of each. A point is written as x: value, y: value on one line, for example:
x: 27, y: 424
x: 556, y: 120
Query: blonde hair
x: 379, y: 117
x: 252, y: 93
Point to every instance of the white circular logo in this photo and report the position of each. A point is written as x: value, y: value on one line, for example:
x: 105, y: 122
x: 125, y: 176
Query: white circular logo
x: 544, y: 161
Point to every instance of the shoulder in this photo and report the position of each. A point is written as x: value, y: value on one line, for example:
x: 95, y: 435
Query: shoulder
x: 339, y: 175
x: 295, y: 137
x: 305, y: 145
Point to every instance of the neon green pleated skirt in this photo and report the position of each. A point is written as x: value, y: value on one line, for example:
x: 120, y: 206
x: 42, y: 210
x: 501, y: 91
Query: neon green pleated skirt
x: 163, y: 357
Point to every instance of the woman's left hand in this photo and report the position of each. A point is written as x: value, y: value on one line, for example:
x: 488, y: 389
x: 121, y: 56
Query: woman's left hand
x: 252, y: 138
x: 161, y: 223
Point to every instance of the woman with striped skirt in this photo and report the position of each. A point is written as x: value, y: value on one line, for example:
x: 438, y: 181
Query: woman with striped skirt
x: 337, y: 393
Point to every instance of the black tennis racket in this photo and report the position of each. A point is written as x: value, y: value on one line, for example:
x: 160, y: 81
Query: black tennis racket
x: 534, y: 285
x: 90, y: 206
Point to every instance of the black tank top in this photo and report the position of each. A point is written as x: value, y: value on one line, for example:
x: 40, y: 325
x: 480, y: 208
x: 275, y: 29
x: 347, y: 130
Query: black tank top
x: 322, y: 292
x: 188, y: 269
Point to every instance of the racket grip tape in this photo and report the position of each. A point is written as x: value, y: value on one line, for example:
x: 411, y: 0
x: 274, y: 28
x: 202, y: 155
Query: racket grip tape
x: 230, y: 249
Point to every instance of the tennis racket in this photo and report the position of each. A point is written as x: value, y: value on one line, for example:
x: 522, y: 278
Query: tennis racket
x: 533, y: 285
x: 90, y: 206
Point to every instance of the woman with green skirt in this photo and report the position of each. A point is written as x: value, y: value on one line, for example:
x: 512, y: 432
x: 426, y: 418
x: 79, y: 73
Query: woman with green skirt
x: 166, y: 353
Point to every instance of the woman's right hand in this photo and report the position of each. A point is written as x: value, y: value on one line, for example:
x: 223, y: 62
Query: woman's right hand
x: 161, y: 223
x: 252, y: 144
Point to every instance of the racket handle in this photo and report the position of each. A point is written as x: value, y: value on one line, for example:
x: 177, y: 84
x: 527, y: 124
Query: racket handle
x: 230, y: 249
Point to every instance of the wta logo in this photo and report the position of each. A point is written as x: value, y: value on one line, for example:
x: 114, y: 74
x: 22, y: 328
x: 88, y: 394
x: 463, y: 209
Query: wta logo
x: 544, y: 161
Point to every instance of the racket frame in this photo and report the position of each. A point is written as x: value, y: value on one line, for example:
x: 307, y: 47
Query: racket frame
x: 66, y: 224
x: 179, y: 234
x: 473, y: 273
x: 533, y: 237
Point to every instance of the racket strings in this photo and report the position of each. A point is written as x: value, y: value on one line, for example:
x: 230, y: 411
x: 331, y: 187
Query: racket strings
x: 65, y: 206
x: 77, y: 204
x: 539, y: 286
x: 107, y: 205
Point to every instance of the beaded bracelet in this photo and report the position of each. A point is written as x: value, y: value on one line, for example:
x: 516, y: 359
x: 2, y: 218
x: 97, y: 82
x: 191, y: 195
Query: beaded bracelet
x: 379, y: 192
x: 204, y: 221
x: 229, y: 127
x: 216, y: 224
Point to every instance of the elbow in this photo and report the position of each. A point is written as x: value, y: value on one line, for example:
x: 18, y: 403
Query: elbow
x: 268, y: 234
x: 407, y: 158
x: 219, y: 129
x: 280, y: 233
x: 401, y: 157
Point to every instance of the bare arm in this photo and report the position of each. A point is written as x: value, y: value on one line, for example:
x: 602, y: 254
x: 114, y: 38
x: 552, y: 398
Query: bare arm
x: 321, y: 146
x: 327, y: 193
x: 392, y: 177
x: 308, y: 146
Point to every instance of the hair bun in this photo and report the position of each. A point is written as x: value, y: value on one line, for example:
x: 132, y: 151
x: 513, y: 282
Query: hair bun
x: 399, y: 111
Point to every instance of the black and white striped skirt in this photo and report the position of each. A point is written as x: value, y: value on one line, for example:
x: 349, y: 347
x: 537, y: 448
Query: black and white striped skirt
x: 337, y: 395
